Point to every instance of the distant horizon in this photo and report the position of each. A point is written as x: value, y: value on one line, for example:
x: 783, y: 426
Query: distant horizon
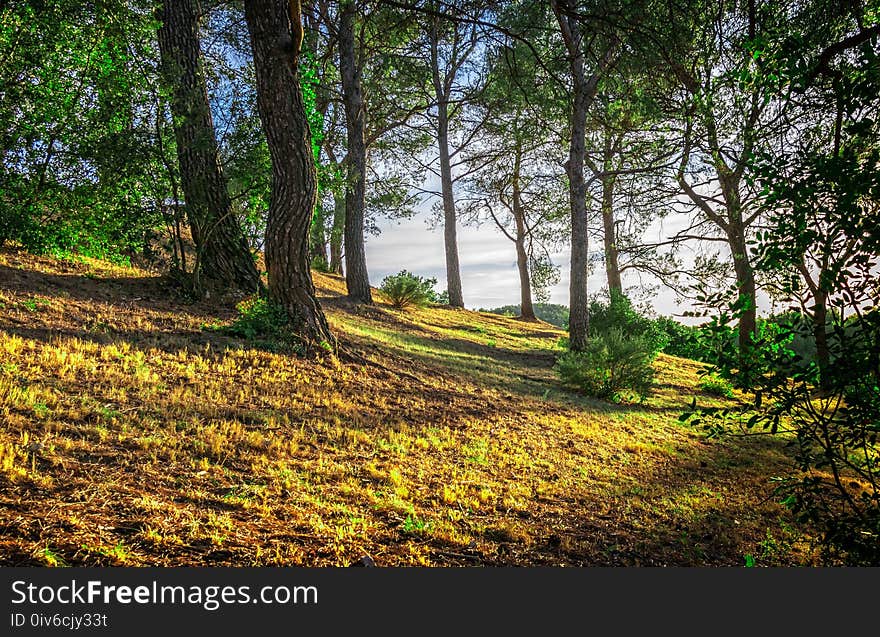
x: 489, y: 274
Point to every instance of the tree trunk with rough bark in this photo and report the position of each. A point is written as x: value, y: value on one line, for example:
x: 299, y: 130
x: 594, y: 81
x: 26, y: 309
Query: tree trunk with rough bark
x: 612, y: 255
x: 745, y: 283
x: 730, y: 221
x: 276, y: 34
x: 453, y: 270
x: 579, y: 308
x: 742, y: 265
x: 442, y: 85
x: 583, y: 91
x: 224, y: 259
x: 527, y: 309
x: 356, y: 276
x: 579, y: 317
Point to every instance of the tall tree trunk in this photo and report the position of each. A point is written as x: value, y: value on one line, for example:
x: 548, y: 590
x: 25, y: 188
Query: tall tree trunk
x: 745, y: 283
x: 527, y: 309
x: 450, y: 240
x: 579, y: 318
x: 453, y: 271
x: 337, y: 232
x: 276, y: 34
x: 742, y: 265
x: 224, y: 258
x: 583, y: 93
x: 612, y: 255
x: 818, y: 319
x: 356, y: 276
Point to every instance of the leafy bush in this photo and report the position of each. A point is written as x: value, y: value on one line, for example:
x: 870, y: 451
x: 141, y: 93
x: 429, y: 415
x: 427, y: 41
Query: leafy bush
x: 683, y: 340
x: 85, y: 220
x: 405, y: 289
x: 619, y: 314
x: 832, y: 418
x: 257, y: 317
x: 612, y: 363
x: 264, y: 323
x: 714, y: 385
x: 319, y: 264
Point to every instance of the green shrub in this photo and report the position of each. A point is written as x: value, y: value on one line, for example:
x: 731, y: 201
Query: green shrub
x: 612, y: 363
x: 264, y: 323
x: 830, y: 417
x: 682, y: 340
x: 405, y: 289
x: 618, y: 313
x: 715, y: 386
x: 64, y: 222
x: 319, y: 264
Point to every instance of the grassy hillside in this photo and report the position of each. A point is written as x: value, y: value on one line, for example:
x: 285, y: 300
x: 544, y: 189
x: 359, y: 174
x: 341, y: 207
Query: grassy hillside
x: 135, y: 434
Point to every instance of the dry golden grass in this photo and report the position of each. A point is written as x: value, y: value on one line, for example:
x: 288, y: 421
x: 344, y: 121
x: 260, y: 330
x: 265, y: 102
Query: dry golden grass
x: 132, y: 435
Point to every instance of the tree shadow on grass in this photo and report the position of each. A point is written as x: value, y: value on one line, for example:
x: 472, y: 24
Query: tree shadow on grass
x: 148, y: 292
x: 710, y: 506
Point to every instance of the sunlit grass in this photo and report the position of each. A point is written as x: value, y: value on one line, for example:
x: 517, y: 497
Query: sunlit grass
x: 133, y: 436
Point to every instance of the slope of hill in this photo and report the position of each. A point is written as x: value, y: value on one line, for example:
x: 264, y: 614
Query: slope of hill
x: 133, y: 434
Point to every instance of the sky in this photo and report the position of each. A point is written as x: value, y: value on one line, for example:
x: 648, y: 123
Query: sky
x: 488, y: 262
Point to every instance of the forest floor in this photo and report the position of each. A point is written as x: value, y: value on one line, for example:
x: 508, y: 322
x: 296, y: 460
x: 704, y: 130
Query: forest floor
x: 135, y: 433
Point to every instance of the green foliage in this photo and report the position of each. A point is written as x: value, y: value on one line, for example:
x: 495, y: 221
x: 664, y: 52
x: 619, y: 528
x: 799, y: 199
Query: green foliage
x: 716, y: 342
x: 310, y: 83
x: 815, y: 374
x: 617, y: 359
x: 406, y: 289
x: 265, y: 324
x: 552, y: 313
x: 613, y: 364
x: 319, y: 264
x: 714, y: 385
x: 82, y: 169
x: 832, y: 417
x: 619, y: 314
x: 257, y: 316
x: 682, y: 340
x: 414, y: 525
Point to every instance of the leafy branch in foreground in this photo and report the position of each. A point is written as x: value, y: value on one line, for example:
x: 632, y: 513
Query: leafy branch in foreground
x: 822, y: 246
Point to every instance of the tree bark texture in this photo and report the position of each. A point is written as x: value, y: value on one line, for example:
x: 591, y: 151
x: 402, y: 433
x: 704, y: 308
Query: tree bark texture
x: 579, y: 319
x: 742, y: 266
x: 224, y: 258
x: 275, y: 41
x: 453, y: 270
x: 612, y: 254
x: 441, y: 94
x: 745, y: 284
x: 527, y: 309
x: 356, y: 276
